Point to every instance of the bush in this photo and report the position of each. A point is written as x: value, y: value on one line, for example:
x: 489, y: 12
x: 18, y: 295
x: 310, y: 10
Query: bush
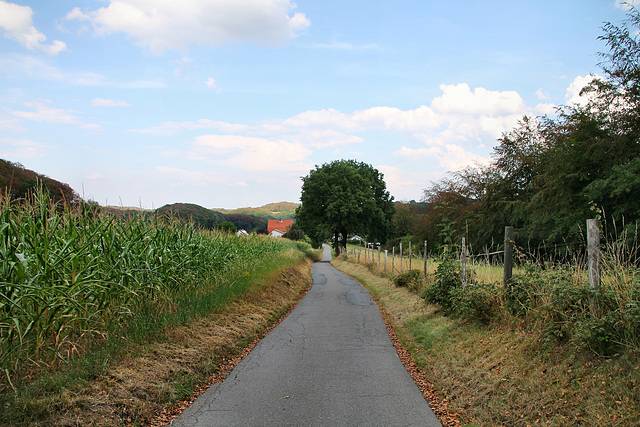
x: 475, y: 302
x: 447, y: 278
x: 523, y: 292
x: 410, y: 279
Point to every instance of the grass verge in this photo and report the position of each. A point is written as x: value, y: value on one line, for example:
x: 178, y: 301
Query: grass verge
x: 500, y: 374
x: 150, y: 382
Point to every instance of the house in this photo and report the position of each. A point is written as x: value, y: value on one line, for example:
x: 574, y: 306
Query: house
x: 242, y: 232
x: 277, y: 233
x: 277, y: 227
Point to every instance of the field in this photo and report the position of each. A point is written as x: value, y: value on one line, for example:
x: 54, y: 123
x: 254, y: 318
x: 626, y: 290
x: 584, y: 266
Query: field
x: 78, y: 286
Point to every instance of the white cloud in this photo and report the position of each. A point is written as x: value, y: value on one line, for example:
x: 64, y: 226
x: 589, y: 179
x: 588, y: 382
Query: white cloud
x: 99, y: 102
x: 11, y: 148
x: 626, y: 4
x: 170, y: 128
x: 321, y: 138
x: 176, y: 25
x: 46, y: 114
x: 11, y: 124
x: 450, y: 157
x: 542, y: 94
x: 250, y: 153
x: 458, y: 116
x: 211, y: 83
x: 16, y: 22
x: 336, y: 45
x: 405, y: 184
x: 94, y: 176
x: 459, y: 99
x: 573, y: 96
x: 184, y: 65
x: 27, y: 66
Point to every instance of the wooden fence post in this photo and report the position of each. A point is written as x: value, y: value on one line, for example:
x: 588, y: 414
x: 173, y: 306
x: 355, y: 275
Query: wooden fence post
x: 509, y: 234
x: 393, y: 259
x: 593, y: 247
x: 378, y: 257
x: 385, y: 260
x: 400, y: 257
x: 464, y: 264
x: 425, y: 260
x: 410, y: 254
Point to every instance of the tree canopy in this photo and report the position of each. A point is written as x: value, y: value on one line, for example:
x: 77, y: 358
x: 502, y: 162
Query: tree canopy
x: 345, y: 197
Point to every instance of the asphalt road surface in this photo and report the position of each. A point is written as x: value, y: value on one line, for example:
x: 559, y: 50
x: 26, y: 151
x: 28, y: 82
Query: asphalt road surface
x: 329, y: 363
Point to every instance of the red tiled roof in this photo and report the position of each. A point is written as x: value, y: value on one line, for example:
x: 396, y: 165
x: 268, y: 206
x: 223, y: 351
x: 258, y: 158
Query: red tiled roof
x: 279, y: 224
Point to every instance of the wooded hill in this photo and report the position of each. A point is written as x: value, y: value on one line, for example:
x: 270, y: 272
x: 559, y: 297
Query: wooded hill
x: 280, y: 210
x: 18, y: 182
x: 210, y: 219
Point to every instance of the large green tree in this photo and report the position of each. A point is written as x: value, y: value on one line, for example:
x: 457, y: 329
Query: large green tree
x: 345, y: 197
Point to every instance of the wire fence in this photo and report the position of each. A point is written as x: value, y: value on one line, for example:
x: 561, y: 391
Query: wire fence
x: 587, y: 254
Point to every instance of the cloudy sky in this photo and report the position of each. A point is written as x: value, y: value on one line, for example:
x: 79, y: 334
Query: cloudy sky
x: 227, y: 103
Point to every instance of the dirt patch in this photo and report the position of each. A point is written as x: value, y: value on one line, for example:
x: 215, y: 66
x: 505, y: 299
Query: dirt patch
x: 162, y: 379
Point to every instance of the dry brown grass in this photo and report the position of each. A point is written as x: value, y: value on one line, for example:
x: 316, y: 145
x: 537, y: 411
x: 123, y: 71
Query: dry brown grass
x: 155, y: 382
x: 503, y: 375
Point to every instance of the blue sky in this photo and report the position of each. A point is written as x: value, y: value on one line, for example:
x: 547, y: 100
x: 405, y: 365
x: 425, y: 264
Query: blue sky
x: 228, y: 103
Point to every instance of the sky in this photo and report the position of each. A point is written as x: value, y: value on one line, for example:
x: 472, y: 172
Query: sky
x: 228, y: 103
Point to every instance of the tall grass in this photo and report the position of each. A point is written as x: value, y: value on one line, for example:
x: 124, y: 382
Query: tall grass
x: 73, y: 277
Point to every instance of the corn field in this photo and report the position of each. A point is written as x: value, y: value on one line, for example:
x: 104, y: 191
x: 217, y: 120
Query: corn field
x: 71, y: 277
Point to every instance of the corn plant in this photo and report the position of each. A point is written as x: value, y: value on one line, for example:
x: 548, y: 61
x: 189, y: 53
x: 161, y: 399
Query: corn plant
x: 69, y: 277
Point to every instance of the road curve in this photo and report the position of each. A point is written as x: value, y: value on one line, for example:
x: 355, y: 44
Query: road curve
x: 329, y: 363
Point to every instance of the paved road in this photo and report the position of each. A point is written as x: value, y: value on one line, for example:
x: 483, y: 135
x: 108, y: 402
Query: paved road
x: 329, y: 363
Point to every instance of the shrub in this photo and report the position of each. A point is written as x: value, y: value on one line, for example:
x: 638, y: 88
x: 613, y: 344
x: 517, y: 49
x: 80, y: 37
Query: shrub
x: 523, y: 292
x: 447, y: 278
x: 409, y: 279
x: 475, y: 302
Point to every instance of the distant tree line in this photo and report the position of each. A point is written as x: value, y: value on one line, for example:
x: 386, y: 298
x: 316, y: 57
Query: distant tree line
x: 210, y: 219
x: 549, y: 174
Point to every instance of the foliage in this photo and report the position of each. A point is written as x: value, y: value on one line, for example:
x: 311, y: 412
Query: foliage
x: 201, y: 216
x: 410, y: 279
x: 447, y: 279
x: 476, y: 302
x: 279, y: 210
x: 294, y: 233
x: 246, y: 222
x: 227, y: 227
x: 523, y: 292
x: 345, y: 197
